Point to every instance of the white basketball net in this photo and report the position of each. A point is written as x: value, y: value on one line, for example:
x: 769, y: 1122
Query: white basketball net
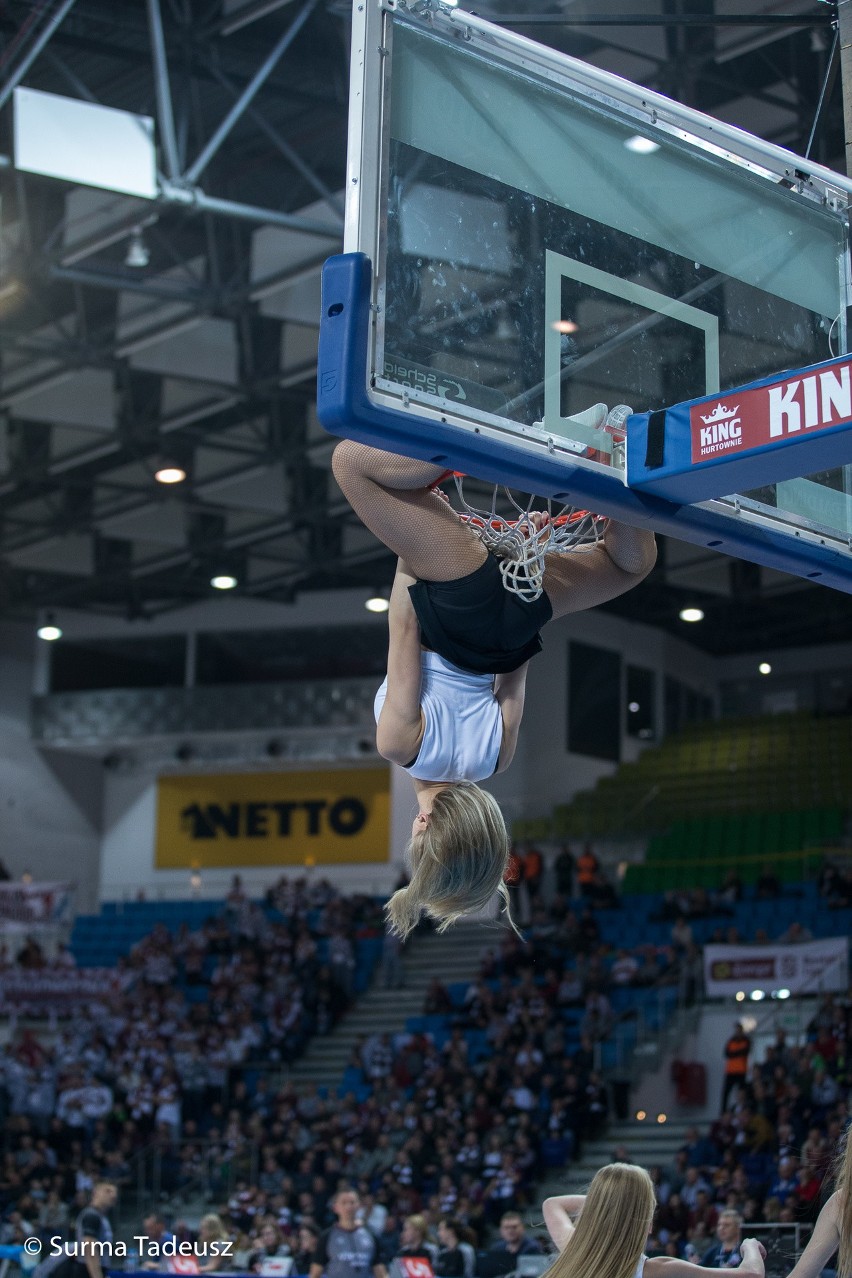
x: 520, y: 546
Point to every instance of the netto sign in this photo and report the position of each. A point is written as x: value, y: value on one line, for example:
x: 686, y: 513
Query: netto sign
x: 273, y: 818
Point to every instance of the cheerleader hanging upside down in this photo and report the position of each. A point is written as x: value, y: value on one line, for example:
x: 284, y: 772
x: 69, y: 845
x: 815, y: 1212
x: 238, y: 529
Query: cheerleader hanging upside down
x: 460, y: 644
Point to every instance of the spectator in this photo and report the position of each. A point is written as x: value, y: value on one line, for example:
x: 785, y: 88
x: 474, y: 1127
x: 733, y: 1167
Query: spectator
x: 269, y: 1244
x: 737, y: 1050
x: 588, y: 868
x: 449, y: 1263
x: 533, y: 866
x: 213, y: 1241
x: 413, y: 1240
x: 347, y: 1249
x: 307, y: 1241
x: 513, y: 1242
x: 795, y: 934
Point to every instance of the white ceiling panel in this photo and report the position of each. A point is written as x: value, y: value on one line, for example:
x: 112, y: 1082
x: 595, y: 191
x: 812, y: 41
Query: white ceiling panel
x: 85, y: 398
x: 300, y: 302
x: 205, y: 349
x: 263, y: 488
x: 163, y: 523
x: 73, y: 555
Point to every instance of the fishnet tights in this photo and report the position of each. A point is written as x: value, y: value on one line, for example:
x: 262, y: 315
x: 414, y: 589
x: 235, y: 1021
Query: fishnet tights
x: 391, y: 496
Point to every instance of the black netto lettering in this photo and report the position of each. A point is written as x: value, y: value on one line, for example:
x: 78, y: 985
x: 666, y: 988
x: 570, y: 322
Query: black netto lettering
x: 285, y: 811
x: 199, y: 826
x: 314, y: 807
x: 256, y: 814
x: 347, y: 816
x: 252, y: 820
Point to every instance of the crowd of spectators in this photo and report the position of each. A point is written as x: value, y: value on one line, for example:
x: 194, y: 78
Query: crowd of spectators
x: 457, y: 1127
x: 768, y: 1156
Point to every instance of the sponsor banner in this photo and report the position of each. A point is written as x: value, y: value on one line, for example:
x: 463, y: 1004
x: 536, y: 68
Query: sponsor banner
x: 273, y: 818
x: 33, y: 903
x: 809, y: 967
x: 788, y: 408
x: 58, y: 991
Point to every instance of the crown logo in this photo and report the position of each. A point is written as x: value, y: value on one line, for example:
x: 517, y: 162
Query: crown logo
x: 720, y: 414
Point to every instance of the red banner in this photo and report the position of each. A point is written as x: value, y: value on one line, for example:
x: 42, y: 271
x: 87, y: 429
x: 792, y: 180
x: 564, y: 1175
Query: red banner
x: 787, y: 408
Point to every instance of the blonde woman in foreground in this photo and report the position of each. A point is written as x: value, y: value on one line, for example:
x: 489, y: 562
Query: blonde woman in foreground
x: 603, y: 1234
x: 833, y: 1230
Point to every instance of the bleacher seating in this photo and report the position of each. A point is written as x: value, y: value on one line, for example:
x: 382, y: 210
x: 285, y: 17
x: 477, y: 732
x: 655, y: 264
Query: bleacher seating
x: 727, y: 766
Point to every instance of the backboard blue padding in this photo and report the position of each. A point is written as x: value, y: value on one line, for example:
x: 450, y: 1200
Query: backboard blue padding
x: 345, y: 408
x: 741, y: 464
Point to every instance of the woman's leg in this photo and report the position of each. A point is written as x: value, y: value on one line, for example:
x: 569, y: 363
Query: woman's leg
x: 589, y: 575
x: 391, y: 496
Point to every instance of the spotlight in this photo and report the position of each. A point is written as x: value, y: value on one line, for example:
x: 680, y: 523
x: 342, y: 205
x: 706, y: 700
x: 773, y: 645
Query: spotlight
x: 48, y: 629
x: 634, y: 707
x: 378, y: 602
x: 782, y: 994
x: 641, y: 146
x: 169, y: 472
x: 691, y: 614
x: 640, y: 1116
x: 740, y: 996
x: 662, y: 1118
x: 138, y: 254
x: 757, y: 996
x: 224, y: 581
x: 764, y: 668
x: 565, y: 326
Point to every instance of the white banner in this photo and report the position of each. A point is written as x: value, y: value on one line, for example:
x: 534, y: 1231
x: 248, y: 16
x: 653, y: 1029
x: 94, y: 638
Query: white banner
x: 38, y: 991
x: 34, y: 903
x: 806, y: 968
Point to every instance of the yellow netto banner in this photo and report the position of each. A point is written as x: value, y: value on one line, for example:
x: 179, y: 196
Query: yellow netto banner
x: 273, y: 818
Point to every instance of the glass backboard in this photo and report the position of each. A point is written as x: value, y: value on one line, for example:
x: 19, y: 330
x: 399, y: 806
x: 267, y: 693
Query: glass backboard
x: 544, y: 236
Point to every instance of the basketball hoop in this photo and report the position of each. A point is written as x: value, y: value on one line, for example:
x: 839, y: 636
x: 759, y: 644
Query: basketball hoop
x: 522, y: 543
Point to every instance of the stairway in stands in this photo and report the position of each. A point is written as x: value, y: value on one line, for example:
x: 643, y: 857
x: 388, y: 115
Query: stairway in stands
x: 649, y: 1144
x: 453, y: 956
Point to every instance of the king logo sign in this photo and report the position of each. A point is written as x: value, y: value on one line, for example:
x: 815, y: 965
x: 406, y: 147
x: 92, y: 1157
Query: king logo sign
x: 783, y: 409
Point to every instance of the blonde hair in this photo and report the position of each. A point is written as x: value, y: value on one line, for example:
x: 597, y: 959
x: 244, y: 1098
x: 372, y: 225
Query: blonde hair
x: 418, y: 1223
x: 215, y: 1225
x: 457, y: 862
x: 613, y: 1227
x: 843, y: 1183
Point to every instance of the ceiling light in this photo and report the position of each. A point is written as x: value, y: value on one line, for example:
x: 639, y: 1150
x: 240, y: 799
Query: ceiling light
x: 565, y: 326
x: 765, y: 667
x: 169, y: 473
x: 634, y: 707
x: 138, y: 254
x: 378, y: 602
x: 224, y: 581
x: 49, y: 631
x: 641, y: 146
x: 691, y: 614
x: 757, y: 996
x: 740, y: 996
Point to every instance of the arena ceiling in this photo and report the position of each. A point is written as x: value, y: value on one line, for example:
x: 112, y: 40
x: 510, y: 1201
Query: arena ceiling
x: 184, y: 328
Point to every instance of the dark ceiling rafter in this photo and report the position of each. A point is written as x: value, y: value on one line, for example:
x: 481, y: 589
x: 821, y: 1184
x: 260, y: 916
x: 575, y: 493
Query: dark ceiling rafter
x: 251, y: 111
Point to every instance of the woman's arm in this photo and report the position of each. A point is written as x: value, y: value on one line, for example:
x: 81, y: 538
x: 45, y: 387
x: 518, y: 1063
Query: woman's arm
x: 400, y: 727
x: 509, y: 693
x: 557, y: 1216
x: 751, y: 1265
x: 822, y: 1243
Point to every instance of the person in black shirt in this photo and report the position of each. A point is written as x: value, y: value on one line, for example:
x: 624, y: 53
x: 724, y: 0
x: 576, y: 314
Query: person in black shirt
x: 449, y: 1262
x: 347, y: 1250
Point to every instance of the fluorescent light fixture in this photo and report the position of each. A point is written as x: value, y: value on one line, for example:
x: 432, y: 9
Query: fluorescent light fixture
x: 169, y: 473
x: 377, y: 603
x: 765, y: 667
x: 641, y: 146
x: 691, y: 614
x: 223, y: 581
